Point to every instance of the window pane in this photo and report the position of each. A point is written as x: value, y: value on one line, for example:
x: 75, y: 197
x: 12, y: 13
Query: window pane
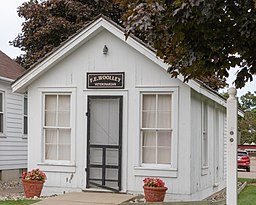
x: 149, y: 138
x: 149, y: 111
x: 51, y: 144
x: 164, y: 111
x: 25, y: 128
x: 25, y: 106
x: 64, y: 144
x: 1, y: 122
x: 64, y: 152
x: 163, y: 155
x: 148, y: 155
x: 1, y: 102
x: 51, y: 136
x: 51, y: 102
x: 64, y: 111
x: 164, y: 138
x: 50, y: 118
x: 50, y: 110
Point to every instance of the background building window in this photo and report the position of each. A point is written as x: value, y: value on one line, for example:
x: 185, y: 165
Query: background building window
x: 25, y: 116
x: 156, y: 128
x: 1, y: 112
x: 204, y: 134
x: 57, y: 128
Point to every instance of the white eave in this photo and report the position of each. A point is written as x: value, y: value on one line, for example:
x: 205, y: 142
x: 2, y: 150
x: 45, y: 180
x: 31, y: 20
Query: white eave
x: 20, y: 85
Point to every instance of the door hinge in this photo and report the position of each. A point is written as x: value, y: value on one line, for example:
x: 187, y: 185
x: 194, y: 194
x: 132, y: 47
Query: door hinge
x: 85, y: 169
x: 86, y: 114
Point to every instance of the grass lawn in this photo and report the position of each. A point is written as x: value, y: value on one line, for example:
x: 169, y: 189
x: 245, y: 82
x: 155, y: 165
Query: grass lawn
x: 247, y: 196
x: 18, y: 202
x: 249, y: 181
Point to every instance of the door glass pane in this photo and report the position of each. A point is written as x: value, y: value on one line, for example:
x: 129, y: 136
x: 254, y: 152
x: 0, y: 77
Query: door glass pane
x: 111, y: 157
x: 111, y: 184
x: 111, y: 174
x: 104, y: 121
x: 96, y: 156
x: 96, y: 173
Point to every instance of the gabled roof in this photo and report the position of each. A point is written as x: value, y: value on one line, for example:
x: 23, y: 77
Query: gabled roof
x: 9, y: 69
x: 84, y: 35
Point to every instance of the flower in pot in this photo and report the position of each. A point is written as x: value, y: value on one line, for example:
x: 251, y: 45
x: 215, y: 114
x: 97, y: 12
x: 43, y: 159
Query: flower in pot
x: 33, y: 182
x: 154, y: 189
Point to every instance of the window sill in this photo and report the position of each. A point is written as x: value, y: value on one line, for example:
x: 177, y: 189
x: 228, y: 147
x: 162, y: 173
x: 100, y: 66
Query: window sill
x: 156, y: 172
x: 66, y: 168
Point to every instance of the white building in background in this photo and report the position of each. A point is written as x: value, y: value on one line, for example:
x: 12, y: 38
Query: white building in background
x: 104, y: 114
x: 13, y: 122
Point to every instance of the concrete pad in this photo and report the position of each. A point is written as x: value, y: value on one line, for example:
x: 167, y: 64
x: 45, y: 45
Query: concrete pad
x: 87, y: 198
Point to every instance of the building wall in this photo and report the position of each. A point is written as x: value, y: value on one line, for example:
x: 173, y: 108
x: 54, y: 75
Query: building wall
x: 13, y: 144
x: 205, y: 180
x: 141, y: 75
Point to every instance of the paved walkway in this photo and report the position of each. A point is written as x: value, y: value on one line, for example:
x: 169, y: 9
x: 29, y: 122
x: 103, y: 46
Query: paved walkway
x: 87, y: 198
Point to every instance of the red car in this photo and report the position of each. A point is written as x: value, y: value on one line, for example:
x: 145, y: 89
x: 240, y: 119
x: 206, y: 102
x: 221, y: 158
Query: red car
x: 243, y: 160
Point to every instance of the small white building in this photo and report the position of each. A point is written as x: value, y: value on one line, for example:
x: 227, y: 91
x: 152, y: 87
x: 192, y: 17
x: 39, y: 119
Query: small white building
x: 105, y: 114
x: 13, y: 122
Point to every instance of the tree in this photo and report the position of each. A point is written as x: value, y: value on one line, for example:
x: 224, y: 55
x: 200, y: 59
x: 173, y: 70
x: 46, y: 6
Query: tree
x: 247, y: 124
x: 198, y: 38
x: 50, y: 22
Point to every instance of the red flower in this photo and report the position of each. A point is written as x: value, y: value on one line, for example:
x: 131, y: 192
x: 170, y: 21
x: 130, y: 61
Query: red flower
x: 153, y: 182
x: 34, y: 174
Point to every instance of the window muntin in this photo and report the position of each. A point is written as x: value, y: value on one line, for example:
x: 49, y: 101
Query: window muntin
x: 25, y: 116
x: 156, y: 128
x: 57, y: 126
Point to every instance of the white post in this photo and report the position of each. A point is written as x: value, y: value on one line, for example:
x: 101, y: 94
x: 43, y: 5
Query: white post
x: 232, y: 147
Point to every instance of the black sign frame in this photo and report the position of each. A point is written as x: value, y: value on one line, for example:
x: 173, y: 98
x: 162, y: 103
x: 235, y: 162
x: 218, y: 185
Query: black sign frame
x: 105, y: 80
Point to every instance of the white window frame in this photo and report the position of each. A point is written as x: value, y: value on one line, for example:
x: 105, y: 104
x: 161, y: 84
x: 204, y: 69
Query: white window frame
x: 2, y: 134
x: 204, y: 137
x: 25, y: 135
x: 173, y: 166
x: 60, y: 91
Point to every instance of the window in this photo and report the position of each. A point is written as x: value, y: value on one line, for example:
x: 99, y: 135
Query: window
x: 57, y: 128
x: 25, y: 116
x: 1, y: 112
x: 156, y: 128
x: 204, y: 134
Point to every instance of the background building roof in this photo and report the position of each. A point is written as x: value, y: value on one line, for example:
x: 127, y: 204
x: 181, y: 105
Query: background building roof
x: 9, y: 68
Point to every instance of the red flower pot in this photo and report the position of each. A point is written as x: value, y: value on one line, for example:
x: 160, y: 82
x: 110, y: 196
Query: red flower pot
x: 154, y: 194
x: 32, y: 188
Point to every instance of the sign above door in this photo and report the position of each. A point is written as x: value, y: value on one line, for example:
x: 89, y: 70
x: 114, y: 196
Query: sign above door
x: 105, y: 80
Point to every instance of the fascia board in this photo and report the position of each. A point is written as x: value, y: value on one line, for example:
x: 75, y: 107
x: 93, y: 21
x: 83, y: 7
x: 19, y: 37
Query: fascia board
x: 21, y: 84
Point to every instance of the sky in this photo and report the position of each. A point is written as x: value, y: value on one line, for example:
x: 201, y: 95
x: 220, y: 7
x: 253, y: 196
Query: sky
x: 11, y: 27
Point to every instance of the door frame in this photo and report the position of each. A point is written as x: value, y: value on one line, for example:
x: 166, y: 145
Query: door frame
x: 120, y: 158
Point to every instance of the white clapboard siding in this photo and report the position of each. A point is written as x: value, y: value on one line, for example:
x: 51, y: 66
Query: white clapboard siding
x: 13, y: 145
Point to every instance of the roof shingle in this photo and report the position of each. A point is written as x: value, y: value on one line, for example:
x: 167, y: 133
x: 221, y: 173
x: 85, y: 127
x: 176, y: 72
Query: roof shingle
x: 9, y: 68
